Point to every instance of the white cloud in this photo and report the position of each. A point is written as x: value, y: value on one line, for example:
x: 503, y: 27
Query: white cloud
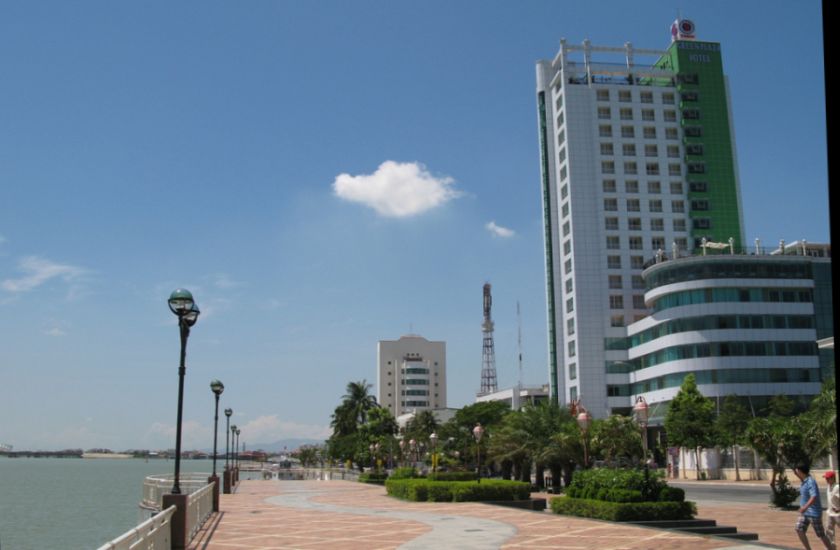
x: 269, y: 428
x: 38, y: 271
x: 499, y: 231
x: 397, y: 189
x: 55, y: 331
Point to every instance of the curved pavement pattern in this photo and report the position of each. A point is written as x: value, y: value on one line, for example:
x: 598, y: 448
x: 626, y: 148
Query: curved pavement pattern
x: 448, y: 531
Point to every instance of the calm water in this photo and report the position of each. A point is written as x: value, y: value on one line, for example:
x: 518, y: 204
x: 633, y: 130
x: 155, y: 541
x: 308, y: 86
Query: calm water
x: 73, y: 503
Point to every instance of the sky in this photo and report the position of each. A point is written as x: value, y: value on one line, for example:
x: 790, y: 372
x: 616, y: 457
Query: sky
x: 321, y: 175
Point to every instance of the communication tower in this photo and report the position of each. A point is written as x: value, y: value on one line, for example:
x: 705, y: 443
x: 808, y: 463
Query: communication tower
x: 488, y: 354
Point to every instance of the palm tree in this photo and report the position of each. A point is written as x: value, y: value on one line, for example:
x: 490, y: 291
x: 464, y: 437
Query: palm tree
x: 358, y: 401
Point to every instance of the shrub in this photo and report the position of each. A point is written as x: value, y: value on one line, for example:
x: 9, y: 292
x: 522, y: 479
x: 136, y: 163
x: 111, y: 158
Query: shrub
x: 373, y: 477
x: 420, y: 490
x: 783, y: 493
x: 623, y: 511
x: 671, y: 494
x: 404, y: 473
x: 451, y: 476
x: 596, y: 484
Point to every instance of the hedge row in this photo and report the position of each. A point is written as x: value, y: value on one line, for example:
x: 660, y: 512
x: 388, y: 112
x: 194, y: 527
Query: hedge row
x: 407, y: 472
x: 623, y: 511
x: 423, y: 490
x: 373, y: 477
x: 619, y: 485
x: 451, y: 476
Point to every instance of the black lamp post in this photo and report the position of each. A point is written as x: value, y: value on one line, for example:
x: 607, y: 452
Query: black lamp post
x: 182, y: 304
x: 238, y: 431
x: 640, y: 412
x: 217, y: 388
x: 228, y: 413
x: 433, y: 438
x: 478, y: 431
x: 584, y: 419
x: 402, y: 452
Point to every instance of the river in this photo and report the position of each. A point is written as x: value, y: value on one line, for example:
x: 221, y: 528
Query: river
x: 75, y: 503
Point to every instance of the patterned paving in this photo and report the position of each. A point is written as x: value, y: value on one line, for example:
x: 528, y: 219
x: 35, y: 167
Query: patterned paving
x: 339, y: 515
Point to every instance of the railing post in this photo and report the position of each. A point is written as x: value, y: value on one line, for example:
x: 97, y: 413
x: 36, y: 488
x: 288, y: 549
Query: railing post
x: 214, y: 479
x: 227, y: 481
x: 179, y: 519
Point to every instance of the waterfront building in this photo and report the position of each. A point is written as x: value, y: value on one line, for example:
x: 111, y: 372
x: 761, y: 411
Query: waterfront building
x: 637, y: 159
x: 517, y: 396
x: 411, y: 374
x: 743, y: 324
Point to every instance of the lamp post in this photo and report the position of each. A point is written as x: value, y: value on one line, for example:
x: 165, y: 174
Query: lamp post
x: 478, y: 431
x: 227, y: 481
x: 584, y: 420
x: 217, y: 388
x: 233, y: 455
x: 238, y: 459
x: 376, y: 448
x: 372, y: 448
x: 412, y: 444
x: 640, y: 413
x: 402, y: 452
x: 434, y: 439
x: 181, y: 303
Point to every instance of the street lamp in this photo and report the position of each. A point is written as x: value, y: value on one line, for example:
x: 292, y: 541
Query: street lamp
x: 478, y: 431
x: 434, y: 439
x: 238, y: 431
x: 640, y: 413
x: 217, y: 388
x: 181, y: 303
x: 228, y: 413
x: 584, y: 419
x: 412, y: 444
x: 372, y: 448
x: 402, y: 452
x: 376, y: 448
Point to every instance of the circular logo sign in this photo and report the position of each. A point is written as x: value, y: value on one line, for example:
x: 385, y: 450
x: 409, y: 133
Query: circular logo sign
x: 686, y: 26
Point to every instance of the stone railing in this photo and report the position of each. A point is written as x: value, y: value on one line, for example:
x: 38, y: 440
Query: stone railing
x: 155, y: 486
x: 199, y: 508
x: 155, y: 532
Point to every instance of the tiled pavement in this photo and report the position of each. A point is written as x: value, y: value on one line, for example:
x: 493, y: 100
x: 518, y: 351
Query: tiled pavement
x: 341, y: 515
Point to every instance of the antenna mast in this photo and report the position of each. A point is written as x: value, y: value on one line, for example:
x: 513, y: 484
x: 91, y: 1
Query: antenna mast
x: 519, y: 340
x: 488, y: 355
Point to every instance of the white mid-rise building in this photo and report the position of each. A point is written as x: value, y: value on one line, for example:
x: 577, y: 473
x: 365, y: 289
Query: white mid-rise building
x: 411, y: 374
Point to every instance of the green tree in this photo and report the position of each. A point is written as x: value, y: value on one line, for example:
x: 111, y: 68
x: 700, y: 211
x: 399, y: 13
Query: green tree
x: 421, y: 426
x: 731, y: 425
x: 489, y: 414
x: 345, y: 443
x: 616, y: 437
x: 690, y: 419
x: 821, y: 421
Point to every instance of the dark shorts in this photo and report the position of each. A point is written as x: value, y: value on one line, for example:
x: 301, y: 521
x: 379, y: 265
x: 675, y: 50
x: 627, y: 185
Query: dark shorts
x: 802, y: 523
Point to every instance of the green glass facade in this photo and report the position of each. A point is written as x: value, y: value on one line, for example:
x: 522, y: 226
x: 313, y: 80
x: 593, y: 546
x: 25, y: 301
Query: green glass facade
x: 714, y: 204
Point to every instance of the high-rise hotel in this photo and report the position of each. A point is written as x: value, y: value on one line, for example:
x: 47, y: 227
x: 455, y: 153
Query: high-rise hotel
x: 638, y: 162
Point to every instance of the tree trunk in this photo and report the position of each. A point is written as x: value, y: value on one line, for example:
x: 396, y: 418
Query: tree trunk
x: 756, y: 464
x: 540, y: 476
x: 556, y: 474
x: 697, y: 461
x: 682, y: 463
x: 735, y: 454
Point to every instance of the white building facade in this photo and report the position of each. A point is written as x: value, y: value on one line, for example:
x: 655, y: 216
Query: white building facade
x: 411, y: 374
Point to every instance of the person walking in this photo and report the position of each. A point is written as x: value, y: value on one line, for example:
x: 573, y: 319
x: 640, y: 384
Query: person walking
x: 810, y: 508
x: 832, y: 509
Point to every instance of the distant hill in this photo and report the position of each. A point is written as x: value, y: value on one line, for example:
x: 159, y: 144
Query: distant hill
x: 278, y: 446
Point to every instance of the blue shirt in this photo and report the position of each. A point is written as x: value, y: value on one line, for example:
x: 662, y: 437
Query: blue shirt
x: 807, y: 490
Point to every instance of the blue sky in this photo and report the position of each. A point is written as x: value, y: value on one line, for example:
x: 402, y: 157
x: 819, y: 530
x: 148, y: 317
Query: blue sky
x: 321, y: 175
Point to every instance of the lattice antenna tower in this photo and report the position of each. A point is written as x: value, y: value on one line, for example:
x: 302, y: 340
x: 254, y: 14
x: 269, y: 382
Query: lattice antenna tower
x: 519, y: 340
x: 488, y: 354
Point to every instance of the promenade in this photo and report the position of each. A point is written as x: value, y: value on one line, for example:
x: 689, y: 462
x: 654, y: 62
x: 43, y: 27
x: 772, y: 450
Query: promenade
x: 343, y: 515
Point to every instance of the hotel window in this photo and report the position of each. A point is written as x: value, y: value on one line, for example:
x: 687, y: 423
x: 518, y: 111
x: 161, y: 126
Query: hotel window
x: 638, y: 301
x: 657, y: 243
x: 607, y: 167
x: 567, y: 248
x: 566, y: 229
x: 564, y: 191
x: 679, y: 224
x: 700, y: 204
x: 568, y: 285
x: 702, y: 223
x: 635, y: 243
x: 631, y: 186
x: 689, y: 96
x: 693, y: 131
x: 603, y: 95
x: 609, y: 186
x: 625, y: 114
x: 691, y: 114
x: 688, y: 78
x: 627, y: 132
x: 617, y: 321
x: 669, y: 115
x: 654, y: 187
x: 647, y: 114
x: 682, y: 243
x: 611, y: 205
x: 614, y: 262
x: 655, y: 205
x: 615, y: 281
x: 637, y: 282
x: 563, y: 173
x: 559, y: 104
x: 616, y: 301
x: 570, y: 326
x: 674, y: 151
x: 564, y: 210
x: 606, y: 148
x: 694, y: 149
x: 561, y: 118
x: 561, y: 155
x: 561, y: 137
x: 677, y: 206
x: 671, y: 133
x: 612, y: 242
x: 668, y: 98
x: 651, y: 151
x: 624, y: 96
x: 675, y: 169
x: 611, y: 223
x: 567, y: 266
x: 572, y: 371
x: 605, y: 130
x: 637, y: 262
x: 698, y: 186
x: 633, y: 205
x: 676, y: 188
x: 604, y: 113
x: 696, y: 168
x: 572, y: 350
x: 628, y: 150
x: 573, y: 393
x: 652, y: 168
x: 646, y: 97
x: 570, y: 305
x: 657, y: 224
x: 630, y: 168
x: 634, y: 224
x: 649, y: 132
